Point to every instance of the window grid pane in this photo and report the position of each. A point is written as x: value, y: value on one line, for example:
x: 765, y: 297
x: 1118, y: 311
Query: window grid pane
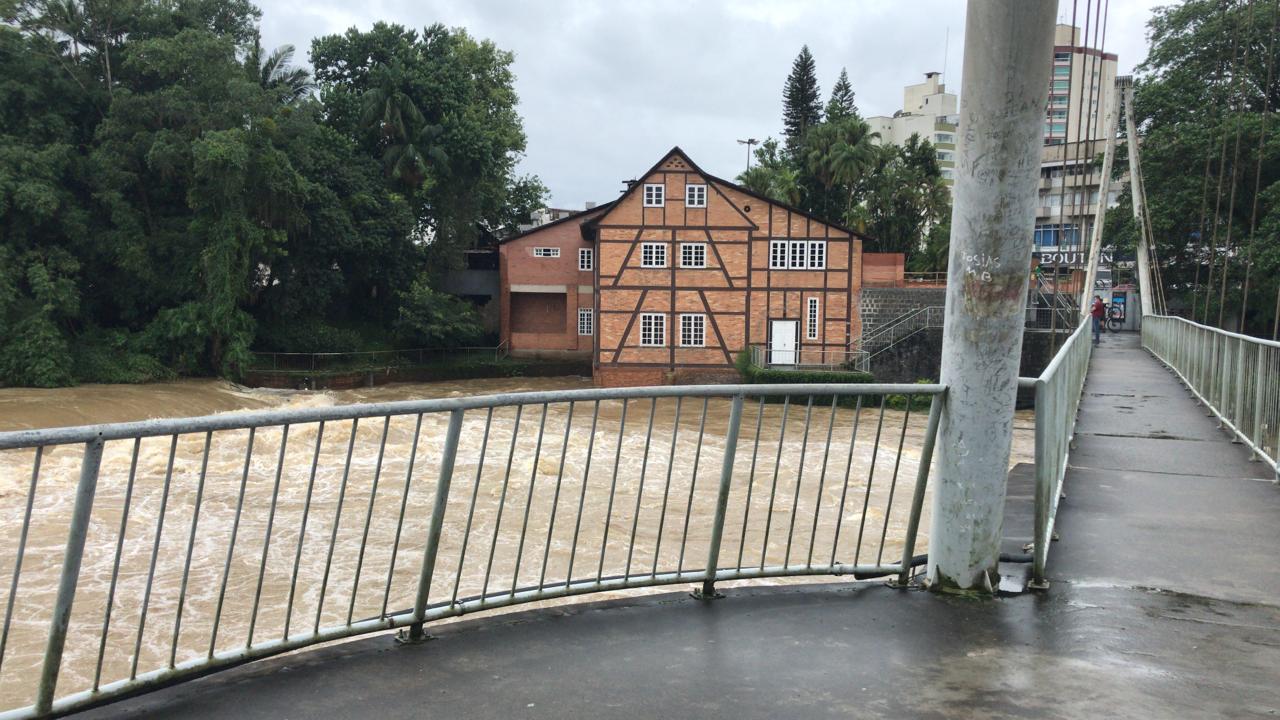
x: 586, y: 321
x: 693, y: 255
x: 778, y: 254
x: 653, y: 330
x: 695, y: 195
x: 654, y: 195
x: 797, y: 254
x: 693, y: 330
x: 546, y: 252
x: 585, y: 258
x: 653, y: 255
x: 813, y: 319
x: 817, y: 254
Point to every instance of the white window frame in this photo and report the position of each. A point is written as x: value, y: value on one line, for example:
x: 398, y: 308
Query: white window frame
x: 546, y: 252
x: 690, y: 324
x: 692, y: 247
x: 817, y: 254
x: 653, y: 255
x: 778, y: 254
x: 586, y: 321
x: 586, y: 259
x: 695, y: 195
x: 655, y: 195
x: 813, y: 317
x: 797, y: 257
x: 653, y: 330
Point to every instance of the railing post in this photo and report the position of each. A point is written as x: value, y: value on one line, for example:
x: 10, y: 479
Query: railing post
x: 437, y: 522
x: 1044, y: 482
x: 1259, y: 397
x: 80, y: 516
x: 722, y: 499
x: 922, y: 479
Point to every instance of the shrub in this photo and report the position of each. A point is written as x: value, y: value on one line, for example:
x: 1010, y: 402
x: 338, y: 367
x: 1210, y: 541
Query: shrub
x: 115, y: 356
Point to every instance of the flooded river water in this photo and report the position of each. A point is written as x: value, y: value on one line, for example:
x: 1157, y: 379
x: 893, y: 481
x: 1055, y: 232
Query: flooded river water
x: 287, y: 529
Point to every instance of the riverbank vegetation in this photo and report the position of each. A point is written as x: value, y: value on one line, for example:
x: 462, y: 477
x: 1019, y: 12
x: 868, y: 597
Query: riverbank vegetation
x: 172, y: 193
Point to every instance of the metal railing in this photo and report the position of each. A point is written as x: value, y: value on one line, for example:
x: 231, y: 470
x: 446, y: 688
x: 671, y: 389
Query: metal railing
x: 1058, y: 391
x: 808, y: 358
x: 151, y: 552
x: 1236, y: 376
x: 901, y: 328
x: 327, y: 362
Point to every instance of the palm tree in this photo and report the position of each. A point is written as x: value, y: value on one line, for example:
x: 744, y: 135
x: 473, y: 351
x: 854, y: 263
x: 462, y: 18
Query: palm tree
x: 387, y: 107
x: 275, y: 73
x: 407, y: 138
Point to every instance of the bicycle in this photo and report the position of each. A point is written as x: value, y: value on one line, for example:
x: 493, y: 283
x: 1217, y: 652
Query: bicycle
x: 1115, y: 318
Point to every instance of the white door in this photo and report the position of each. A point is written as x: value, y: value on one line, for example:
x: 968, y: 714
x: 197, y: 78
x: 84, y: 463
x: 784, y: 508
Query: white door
x: 782, y: 342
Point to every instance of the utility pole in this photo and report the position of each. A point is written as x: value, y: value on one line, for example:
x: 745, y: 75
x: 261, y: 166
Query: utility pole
x: 1104, y: 190
x: 1147, y: 290
x: 1008, y: 50
x: 749, y: 142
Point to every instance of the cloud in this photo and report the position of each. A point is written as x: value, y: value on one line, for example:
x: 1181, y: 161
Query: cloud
x: 606, y: 87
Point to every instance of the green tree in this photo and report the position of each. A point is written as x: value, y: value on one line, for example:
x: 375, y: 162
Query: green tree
x: 801, y: 100
x: 841, y: 104
x: 438, y: 109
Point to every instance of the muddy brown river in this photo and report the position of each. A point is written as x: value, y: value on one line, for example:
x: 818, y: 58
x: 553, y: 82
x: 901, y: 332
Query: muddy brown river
x: 356, y: 548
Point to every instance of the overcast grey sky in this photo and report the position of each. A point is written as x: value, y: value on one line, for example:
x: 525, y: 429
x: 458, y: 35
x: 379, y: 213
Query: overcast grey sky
x: 606, y: 87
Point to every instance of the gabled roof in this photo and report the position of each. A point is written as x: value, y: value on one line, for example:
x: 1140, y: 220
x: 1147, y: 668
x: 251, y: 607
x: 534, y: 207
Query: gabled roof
x: 575, y: 216
x: 734, y: 186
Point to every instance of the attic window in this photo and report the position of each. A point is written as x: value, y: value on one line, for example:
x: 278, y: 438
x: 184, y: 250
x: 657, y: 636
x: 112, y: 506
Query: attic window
x: 654, y: 195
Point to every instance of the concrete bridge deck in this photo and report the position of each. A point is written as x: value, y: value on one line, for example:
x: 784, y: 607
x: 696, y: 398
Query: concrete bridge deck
x: 1163, y: 603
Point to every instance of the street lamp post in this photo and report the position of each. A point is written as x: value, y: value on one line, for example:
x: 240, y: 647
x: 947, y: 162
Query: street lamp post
x: 749, y: 142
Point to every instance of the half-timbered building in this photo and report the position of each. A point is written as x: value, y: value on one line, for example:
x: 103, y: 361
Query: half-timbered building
x: 692, y: 270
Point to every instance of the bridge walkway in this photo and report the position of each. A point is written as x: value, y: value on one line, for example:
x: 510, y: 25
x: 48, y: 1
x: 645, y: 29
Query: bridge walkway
x: 1163, y: 603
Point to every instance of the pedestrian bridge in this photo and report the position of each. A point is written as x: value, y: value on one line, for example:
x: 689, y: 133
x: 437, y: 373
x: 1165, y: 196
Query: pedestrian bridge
x: 1154, y: 467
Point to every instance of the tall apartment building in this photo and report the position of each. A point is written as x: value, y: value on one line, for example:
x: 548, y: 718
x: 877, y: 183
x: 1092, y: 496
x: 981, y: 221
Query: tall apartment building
x: 1081, y: 93
x: 929, y: 111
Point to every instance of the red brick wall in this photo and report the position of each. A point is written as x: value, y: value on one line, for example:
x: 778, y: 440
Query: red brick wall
x: 538, y: 312
x: 554, y: 328
x: 883, y: 269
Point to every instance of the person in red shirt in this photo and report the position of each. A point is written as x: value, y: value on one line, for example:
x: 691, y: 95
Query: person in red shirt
x: 1098, y: 311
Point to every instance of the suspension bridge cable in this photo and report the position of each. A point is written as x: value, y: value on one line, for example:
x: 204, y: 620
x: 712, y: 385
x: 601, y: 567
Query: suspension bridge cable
x: 1203, y: 239
x: 1222, y: 164
x: 1091, y: 64
x: 1257, y: 173
x: 1235, y: 165
x: 1062, y: 195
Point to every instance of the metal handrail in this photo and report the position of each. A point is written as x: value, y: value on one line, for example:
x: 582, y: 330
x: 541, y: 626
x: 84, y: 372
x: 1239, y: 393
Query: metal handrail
x: 480, y: 533
x: 901, y: 327
x: 1057, y: 396
x: 1236, y: 376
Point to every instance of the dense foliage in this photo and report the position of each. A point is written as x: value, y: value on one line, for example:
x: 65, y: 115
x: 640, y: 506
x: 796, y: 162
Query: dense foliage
x: 172, y: 194
x: 1211, y: 159
x: 832, y: 165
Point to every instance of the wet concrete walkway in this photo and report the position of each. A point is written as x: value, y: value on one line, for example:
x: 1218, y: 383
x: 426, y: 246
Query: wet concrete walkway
x: 1164, y: 602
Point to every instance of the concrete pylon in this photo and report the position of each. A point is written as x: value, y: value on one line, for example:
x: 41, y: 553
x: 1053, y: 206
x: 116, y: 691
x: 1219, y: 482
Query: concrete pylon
x: 1008, y: 51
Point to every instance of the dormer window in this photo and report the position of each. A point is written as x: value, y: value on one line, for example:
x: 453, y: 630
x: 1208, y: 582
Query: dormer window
x: 695, y: 196
x: 655, y: 195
